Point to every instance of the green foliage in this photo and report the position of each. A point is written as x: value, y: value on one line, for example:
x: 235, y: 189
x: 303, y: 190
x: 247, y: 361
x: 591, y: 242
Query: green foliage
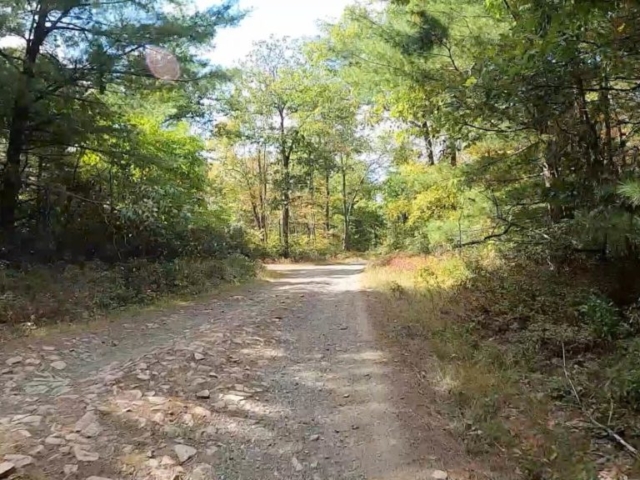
x: 292, y: 156
x: 99, y: 160
x: 601, y: 315
x: 623, y: 376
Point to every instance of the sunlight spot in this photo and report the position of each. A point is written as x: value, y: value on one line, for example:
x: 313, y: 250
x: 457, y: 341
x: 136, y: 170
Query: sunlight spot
x: 367, y: 356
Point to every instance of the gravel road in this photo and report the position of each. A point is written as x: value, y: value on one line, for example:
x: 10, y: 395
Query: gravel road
x: 280, y: 380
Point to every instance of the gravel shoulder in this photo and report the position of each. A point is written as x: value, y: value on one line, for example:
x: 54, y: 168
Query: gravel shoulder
x: 284, y: 380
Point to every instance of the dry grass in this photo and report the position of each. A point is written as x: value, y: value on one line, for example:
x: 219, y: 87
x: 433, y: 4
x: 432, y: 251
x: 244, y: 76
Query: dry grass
x: 495, y: 400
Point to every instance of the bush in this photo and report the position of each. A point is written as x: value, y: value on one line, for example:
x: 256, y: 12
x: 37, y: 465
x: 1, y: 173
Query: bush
x: 69, y: 292
x: 602, y: 317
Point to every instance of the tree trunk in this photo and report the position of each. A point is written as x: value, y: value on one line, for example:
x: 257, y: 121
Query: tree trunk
x: 263, y: 195
x: 550, y: 175
x: 327, y: 202
x: 19, y: 125
x: 428, y: 141
x: 608, y: 136
x: 453, y: 153
x: 346, y: 245
x: 285, y: 152
x: 589, y: 135
x: 286, y: 208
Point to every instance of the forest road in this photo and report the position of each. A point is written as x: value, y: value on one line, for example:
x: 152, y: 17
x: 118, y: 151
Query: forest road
x: 278, y: 380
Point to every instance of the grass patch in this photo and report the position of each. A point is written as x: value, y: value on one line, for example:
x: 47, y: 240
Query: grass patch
x: 494, y: 329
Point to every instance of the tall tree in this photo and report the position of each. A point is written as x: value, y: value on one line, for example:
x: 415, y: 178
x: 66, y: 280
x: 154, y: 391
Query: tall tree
x: 71, y: 53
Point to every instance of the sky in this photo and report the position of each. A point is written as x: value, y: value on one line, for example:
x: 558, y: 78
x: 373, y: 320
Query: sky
x: 293, y: 18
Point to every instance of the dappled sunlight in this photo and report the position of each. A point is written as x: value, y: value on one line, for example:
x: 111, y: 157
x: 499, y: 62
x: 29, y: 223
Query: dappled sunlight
x: 263, y: 353
x: 366, y: 356
x: 444, y: 380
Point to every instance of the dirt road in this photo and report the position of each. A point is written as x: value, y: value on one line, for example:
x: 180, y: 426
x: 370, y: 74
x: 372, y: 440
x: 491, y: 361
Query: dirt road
x: 283, y: 380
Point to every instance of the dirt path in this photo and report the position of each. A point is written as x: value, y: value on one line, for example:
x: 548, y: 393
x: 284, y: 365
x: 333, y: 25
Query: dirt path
x: 279, y: 381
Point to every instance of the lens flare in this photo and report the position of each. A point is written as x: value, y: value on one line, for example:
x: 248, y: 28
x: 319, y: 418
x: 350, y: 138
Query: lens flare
x: 161, y: 63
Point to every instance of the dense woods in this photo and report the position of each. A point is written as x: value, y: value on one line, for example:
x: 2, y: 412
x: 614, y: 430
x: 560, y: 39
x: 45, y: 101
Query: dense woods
x: 494, y: 144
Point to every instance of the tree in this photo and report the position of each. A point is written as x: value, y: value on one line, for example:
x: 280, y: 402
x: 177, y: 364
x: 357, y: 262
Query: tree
x: 72, y: 54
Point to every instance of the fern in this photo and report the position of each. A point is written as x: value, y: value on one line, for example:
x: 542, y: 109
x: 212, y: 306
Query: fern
x: 630, y: 191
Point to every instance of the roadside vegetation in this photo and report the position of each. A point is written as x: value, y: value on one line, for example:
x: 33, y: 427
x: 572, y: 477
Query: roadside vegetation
x: 532, y: 362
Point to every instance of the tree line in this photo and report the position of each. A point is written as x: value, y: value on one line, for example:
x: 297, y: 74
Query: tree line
x: 406, y: 124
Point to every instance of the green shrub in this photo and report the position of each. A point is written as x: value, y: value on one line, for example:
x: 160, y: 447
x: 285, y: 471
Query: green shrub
x: 622, y: 380
x: 602, y: 317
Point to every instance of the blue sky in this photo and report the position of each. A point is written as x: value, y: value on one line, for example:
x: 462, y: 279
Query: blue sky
x: 294, y: 18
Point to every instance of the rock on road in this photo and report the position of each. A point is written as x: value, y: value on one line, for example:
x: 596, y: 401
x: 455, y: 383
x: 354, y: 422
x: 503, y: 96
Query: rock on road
x: 282, y: 380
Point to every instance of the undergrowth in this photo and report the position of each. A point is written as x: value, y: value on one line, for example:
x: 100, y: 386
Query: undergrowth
x: 508, y: 338
x: 39, y: 295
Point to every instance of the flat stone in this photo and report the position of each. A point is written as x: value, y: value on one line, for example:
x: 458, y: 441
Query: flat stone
x: 32, y: 361
x: 75, y: 437
x: 19, y: 460
x: 131, y: 395
x: 172, y: 431
x: 86, y: 420
x: 44, y: 409
x: 13, y: 361
x: 70, y: 469
x: 84, y: 455
x: 184, y: 452
x: 204, y: 394
x: 187, y: 419
x: 212, y: 451
x: 201, y: 412
x: 92, y: 430
x: 30, y: 419
x: 88, y: 425
x: 233, y: 398
x: 158, y: 417
x: 6, y: 469
x: 37, y: 450
x: 59, y: 365
x: 314, y: 438
x: 202, y: 472
x: 296, y: 464
x: 198, y: 356
x: 439, y: 475
x: 54, y: 440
